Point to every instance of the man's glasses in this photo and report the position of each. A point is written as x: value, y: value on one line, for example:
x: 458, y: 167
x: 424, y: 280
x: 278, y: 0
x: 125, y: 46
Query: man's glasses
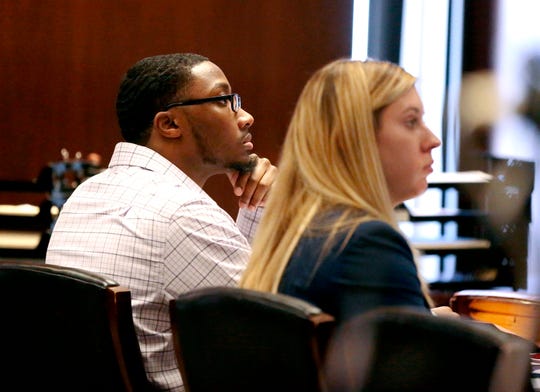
x: 236, y: 101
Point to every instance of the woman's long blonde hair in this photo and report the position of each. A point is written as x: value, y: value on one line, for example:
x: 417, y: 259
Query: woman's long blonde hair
x: 330, y: 161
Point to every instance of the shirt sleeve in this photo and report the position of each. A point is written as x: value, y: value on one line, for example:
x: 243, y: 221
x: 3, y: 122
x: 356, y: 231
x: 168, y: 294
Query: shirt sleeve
x: 248, y: 221
x: 205, y: 248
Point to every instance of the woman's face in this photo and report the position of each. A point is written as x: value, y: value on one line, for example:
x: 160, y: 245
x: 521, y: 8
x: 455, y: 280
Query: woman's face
x: 405, y: 145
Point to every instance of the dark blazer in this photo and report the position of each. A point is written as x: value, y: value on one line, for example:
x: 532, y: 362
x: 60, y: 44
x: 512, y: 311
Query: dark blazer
x: 376, y: 268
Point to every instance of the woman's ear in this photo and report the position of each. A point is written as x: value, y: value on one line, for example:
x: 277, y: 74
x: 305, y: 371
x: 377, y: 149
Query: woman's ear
x: 166, y: 125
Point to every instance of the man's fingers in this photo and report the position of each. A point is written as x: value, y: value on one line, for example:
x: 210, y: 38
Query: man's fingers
x: 256, y: 184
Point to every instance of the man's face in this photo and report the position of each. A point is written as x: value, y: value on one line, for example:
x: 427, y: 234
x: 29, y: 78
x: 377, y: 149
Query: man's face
x: 220, y: 135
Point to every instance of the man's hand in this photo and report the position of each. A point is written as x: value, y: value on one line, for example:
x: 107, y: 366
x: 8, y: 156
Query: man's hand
x: 253, y: 186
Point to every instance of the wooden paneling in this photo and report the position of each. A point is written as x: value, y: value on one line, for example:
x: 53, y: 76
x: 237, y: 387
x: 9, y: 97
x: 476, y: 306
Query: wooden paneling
x: 62, y: 61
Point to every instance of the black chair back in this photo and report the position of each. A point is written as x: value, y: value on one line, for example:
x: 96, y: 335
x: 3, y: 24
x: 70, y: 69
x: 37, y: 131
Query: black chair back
x: 405, y: 350
x: 232, y: 339
x: 64, y: 329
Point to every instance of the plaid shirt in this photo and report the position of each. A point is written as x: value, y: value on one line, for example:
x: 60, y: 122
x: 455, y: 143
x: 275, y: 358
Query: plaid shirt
x: 148, y: 226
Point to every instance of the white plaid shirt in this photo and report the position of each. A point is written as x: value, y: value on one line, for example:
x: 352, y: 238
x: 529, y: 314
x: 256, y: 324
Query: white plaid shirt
x: 148, y: 226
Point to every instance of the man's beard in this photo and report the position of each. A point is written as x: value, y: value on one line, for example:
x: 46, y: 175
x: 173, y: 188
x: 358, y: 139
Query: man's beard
x: 244, y: 167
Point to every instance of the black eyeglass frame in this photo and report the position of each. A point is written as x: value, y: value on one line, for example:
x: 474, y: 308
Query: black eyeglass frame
x: 230, y: 97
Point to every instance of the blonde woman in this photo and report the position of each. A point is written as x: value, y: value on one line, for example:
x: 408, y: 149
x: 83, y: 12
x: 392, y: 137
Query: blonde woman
x: 356, y: 147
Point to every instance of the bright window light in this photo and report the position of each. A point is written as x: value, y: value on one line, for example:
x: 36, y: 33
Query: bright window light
x: 360, y: 29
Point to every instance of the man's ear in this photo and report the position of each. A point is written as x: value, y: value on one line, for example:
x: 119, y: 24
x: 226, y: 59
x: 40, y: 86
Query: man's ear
x: 166, y: 125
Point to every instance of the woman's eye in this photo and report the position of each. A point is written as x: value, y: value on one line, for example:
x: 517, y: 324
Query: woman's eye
x: 412, y: 122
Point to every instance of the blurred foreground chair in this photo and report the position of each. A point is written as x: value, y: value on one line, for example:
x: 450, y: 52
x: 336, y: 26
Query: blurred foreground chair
x: 518, y: 312
x: 404, y: 350
x: 65, y: 329
x: 232, y: 339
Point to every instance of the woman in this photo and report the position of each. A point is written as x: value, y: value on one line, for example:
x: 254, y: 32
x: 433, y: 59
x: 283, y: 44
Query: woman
x: 356, y: 148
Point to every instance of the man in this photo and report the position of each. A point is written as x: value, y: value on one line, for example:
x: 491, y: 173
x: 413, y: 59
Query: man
x: 145, y: 221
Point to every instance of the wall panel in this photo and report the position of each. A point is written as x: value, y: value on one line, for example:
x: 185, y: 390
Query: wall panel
x: 62, y: 61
